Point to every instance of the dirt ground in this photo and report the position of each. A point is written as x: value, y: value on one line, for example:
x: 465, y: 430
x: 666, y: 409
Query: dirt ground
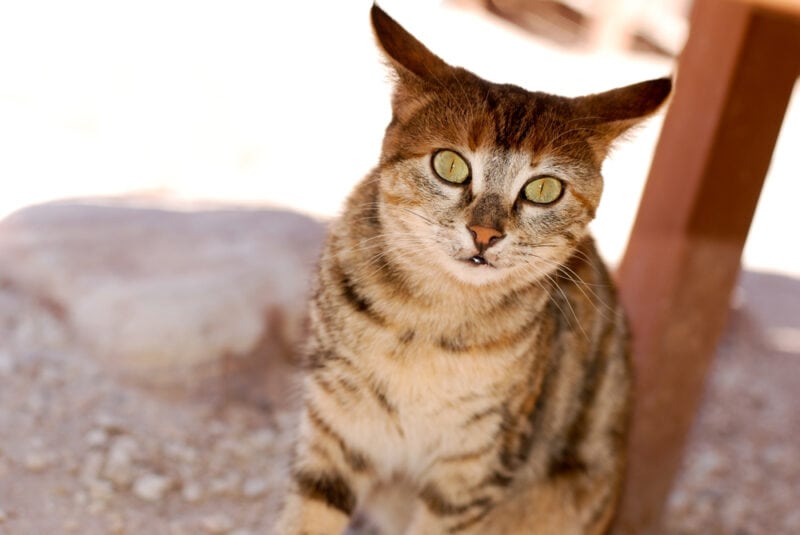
x: 82, y: 451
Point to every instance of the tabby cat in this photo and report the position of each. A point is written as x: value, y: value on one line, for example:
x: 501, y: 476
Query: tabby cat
x: 467, y: 344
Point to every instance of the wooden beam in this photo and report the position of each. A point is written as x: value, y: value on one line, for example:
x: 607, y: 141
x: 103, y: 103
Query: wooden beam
x: 734, y: 81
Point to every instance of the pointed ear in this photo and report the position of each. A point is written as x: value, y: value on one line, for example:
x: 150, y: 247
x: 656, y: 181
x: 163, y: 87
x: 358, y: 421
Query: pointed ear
x: 609, y: 115
x: 407, y: 55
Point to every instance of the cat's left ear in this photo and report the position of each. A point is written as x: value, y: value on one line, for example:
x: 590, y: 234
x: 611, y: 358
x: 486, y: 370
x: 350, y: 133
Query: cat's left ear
x: 410, y: 58
x: 608, y: 115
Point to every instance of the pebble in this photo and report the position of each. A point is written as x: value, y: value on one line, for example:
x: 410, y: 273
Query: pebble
x: 180, y: 452
x: 110, y: 423
x: 191, y: 492
x: 100, y: 491
x: 96, y: 438
x: 254, y: 487
x: 151, y: 487
x: 3, y: 516
x: 218, y: 523
x: 262, y: 439
x: 179, y: 528
x: 36, y: 403
x: 227, y: 484
x: 116, y: 524
x: 119, y: 467
x: 92, y: 465
x: 6, y: 364
x: 38, y: 461
x: 81, y: 498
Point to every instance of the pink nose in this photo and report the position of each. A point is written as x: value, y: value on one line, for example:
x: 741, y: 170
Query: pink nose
x: 484, y: 237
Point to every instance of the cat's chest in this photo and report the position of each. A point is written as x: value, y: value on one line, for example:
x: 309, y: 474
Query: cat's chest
x: 433, y: 395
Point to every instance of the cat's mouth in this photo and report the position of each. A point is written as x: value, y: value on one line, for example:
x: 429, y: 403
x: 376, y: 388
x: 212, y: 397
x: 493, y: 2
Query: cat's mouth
x: 478, y: 260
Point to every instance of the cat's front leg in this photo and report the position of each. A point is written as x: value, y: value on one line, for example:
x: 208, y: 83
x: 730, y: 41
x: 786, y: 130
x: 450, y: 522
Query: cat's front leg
x: 437, y: 521
x: 326, y: 482
x: 304, y: 515
x: 457, y: 505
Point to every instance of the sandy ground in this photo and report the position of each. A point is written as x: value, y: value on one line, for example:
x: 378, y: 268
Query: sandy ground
x: 82, y: 451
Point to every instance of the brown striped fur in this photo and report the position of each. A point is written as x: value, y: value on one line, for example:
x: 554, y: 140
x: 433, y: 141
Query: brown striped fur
x: 495, y: 393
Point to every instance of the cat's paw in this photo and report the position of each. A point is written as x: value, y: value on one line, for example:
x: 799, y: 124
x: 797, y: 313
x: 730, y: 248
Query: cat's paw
x: 362, y: 524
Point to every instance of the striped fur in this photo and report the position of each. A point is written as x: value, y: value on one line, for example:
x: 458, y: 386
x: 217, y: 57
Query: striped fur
x: 496, y: 394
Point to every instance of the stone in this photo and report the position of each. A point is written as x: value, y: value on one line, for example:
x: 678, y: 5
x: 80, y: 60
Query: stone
x: 96, y: 438
x: 254, y: 487
x: 6, y: 364
x: 38, y: 461
x: 167, y: 296
x: 218, y: 523
x: 151, y: 487
x: 226, y: 484
x: 191, y: 492
x: 119, y: 466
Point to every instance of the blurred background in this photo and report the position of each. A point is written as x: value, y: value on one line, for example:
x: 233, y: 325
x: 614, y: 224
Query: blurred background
x: 255, y: 102
x: 192, y: 149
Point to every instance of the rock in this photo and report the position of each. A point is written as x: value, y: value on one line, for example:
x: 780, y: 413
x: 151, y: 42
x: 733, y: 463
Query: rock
x: 110, y: 423
x: 96, y: 438
x: 119, y: 466
x: 191, y: 492
x: 3, y: 516
x: 254, y: 487
x: 180, y: 452
x: 38, y: 461
x: 116, y: 524
x: 218, y: 523
x: 227, y: 484
x: 262, y: 439
x: 151, y: 487
x: 163, y: 295
x: 92, y: 466
x: 100, y: 491
x: 6, y: 364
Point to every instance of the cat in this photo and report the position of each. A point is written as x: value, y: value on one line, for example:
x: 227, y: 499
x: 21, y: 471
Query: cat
x: 467, y: 345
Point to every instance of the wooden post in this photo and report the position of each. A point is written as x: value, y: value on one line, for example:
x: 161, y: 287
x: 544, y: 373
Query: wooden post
x: 734, y: 81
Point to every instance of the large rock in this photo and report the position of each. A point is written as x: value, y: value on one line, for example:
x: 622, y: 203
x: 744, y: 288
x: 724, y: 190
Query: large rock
x: 166, y: 296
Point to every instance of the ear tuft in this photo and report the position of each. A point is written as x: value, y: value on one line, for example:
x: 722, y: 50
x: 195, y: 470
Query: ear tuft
x: 405, y: 52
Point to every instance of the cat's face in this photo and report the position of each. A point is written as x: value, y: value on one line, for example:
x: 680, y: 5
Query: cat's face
x: 479, y: 203
x: 484, y: 181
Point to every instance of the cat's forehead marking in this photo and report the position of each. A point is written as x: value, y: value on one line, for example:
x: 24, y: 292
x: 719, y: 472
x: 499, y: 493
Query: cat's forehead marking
x: 502, y: 171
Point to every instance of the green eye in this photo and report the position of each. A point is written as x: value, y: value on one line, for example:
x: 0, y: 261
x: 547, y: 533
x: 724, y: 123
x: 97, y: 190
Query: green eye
x: 543, y: 190
x: 450, y: 166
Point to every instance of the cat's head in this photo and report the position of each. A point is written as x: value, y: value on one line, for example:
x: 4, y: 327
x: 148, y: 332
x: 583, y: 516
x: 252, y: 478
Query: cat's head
x: 486, y: 181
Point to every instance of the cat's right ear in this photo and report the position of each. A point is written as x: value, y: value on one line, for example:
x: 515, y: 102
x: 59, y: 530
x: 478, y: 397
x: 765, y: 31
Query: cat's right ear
x: 409, y: 58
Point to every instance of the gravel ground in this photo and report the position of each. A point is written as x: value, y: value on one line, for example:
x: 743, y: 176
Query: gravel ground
x: 83, y: 452
x: 741, y: 472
